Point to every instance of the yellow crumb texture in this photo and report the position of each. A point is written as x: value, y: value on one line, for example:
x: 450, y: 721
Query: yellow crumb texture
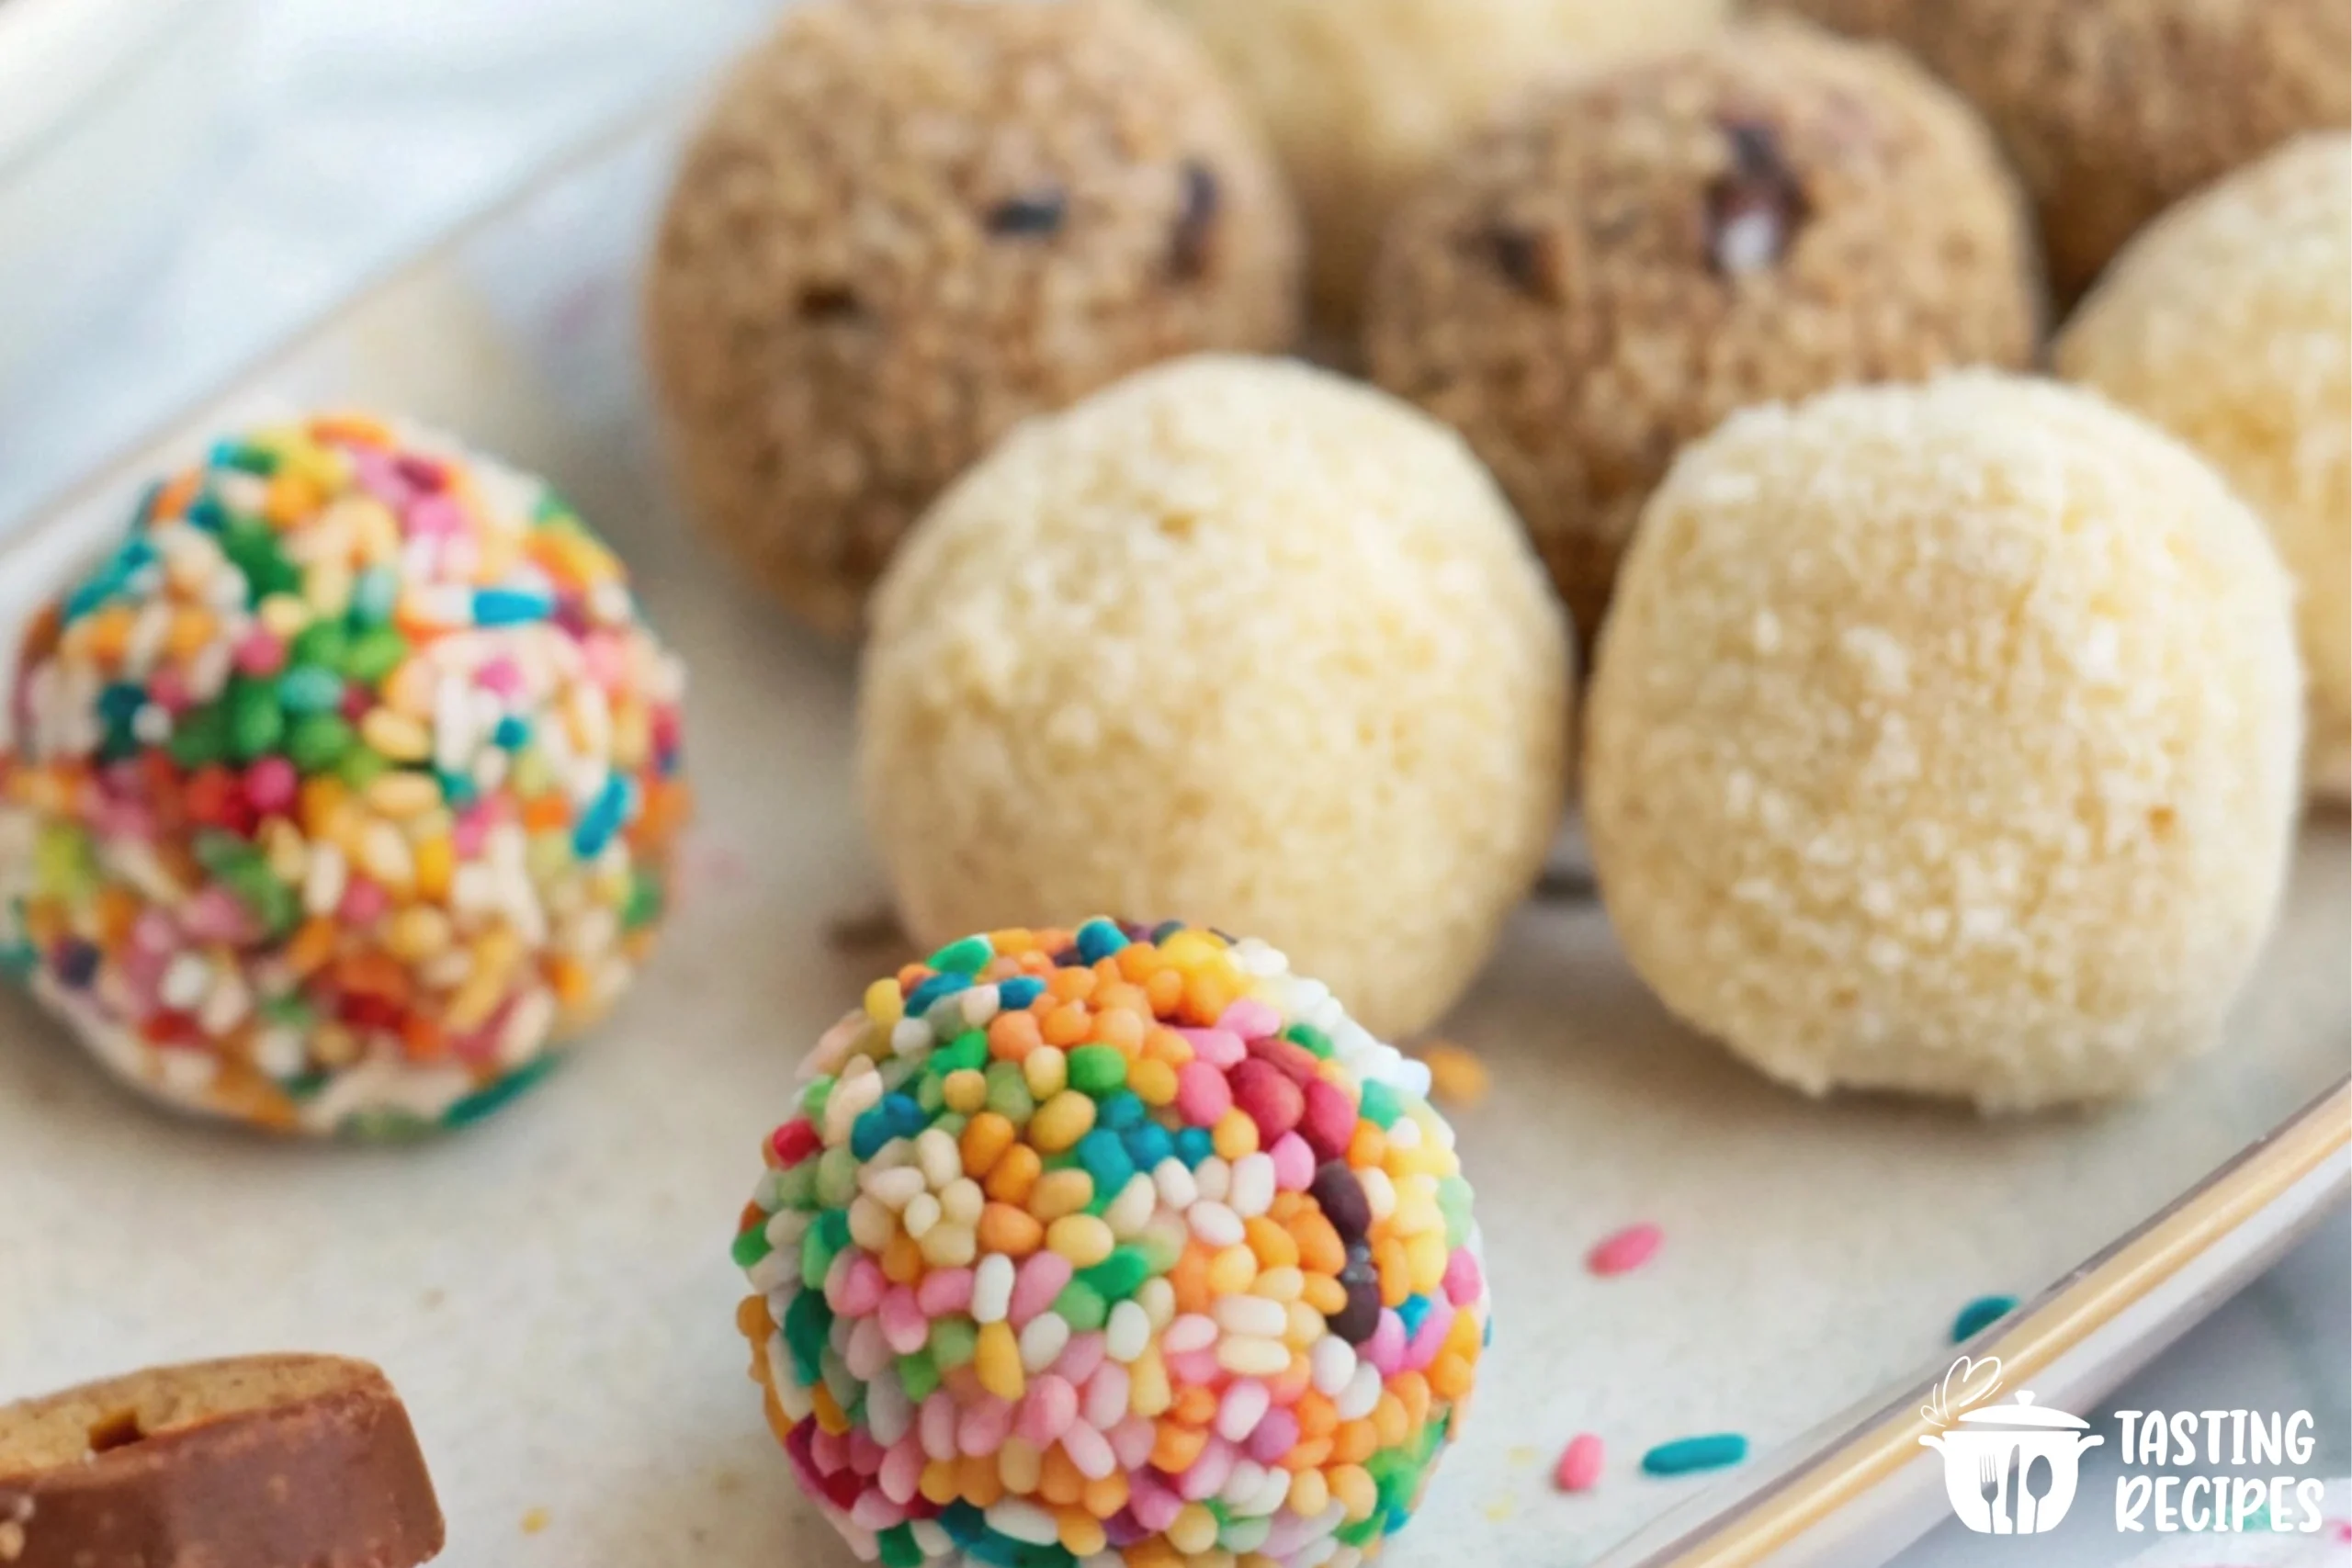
x: 1946, y: 739
x: 2229, y: 322
x: 1237, y: 642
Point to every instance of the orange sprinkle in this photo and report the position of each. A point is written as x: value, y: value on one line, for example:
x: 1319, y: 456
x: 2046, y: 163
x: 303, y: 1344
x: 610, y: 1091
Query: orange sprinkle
x: 1014, y: 1175
x: 1059, y: 1481
x: 1195, y: 1406
x: 986, y: 1137
x: 1068, y: 1024
x: 902, y: 1260
x: 1320, y: 1251
x: 751, y: 1320
x: 1352, y: 1442
x: 1013, y: 1035
x: 1273, y: 1246
x: 1176, y: 1446
x: 1012, y: 1231
x: 1396, y: 1274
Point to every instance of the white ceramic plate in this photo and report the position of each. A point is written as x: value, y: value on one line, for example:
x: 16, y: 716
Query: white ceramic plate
x: 552, y: 1290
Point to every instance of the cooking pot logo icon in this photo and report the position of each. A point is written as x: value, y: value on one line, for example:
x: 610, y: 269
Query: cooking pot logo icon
x: 2008, y: 1469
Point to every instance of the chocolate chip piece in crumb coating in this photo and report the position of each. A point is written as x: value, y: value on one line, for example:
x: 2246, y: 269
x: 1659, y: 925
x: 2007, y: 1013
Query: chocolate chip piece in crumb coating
x: 1625, y: 256
x: 906, y: 226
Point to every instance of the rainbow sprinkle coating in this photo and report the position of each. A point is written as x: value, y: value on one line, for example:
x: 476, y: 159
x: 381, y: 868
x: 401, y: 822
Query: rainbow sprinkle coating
x: 342, y: 787
x: 1113, y: 1246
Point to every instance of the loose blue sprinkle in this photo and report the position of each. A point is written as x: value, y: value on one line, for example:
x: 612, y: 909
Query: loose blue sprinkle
x: 1981, y: 1315
x: 894, y: 1117
x: 1019, y: 992
x: 510, y: 732
x: 509, y: 606
x: 1098, y: 939
x: 920, y: 999
x: 1107, y: 1160
x: 1684, y: 1455
x: 1410, y: 1311
x: 603, y: 819
x: 206, y: 512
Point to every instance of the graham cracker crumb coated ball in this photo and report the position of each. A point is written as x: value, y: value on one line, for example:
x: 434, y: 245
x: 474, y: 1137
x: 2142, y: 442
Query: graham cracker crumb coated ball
x: 2229, y: 322
x: 1237, y: 638
x: 1944, y: 739
x: 908, y: 225
x: 1629, y: 257
x: 1363, y: 97
x: 2115, y: 109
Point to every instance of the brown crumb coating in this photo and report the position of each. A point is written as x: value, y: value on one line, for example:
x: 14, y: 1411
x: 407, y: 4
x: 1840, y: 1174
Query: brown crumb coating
x: 909, y: 224
x: 1607, y: 273
x: 2115, y: 109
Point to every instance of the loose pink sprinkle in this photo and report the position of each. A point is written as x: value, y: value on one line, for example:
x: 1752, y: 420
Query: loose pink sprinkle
x: 1625, y: 1251
x: 1579, y: 1466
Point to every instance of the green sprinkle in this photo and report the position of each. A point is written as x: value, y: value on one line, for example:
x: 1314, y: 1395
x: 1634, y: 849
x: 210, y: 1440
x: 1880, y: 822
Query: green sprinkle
x: 1306, y: 1035
x: 898, y: 1549
x: 1009, y: 1093
x: 1380, y: 1105
x: 837, y: 1179
x: 1118, y: 1276
x: 750, y: 1246
x: 813, y: 1098
x: 374, y: 654
x: 251, y: 548
x: 362, y: 766
x: 967, y: 956
x: 969, y: 1051
x: 1082, y: 1306
x: 201, y: 735
x: 954, y: 1341
x: 1098, y: 1070
x: 309, y: 688
x: 806, y: 1324
x: 255, y: 722
x: 321, y: 643
x: 317, y: 742
x: 918, y: 1376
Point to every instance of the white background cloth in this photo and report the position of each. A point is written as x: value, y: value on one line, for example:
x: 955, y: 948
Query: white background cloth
x: 361, y: 128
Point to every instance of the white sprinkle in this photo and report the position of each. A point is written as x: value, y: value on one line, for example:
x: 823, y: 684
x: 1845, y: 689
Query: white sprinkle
x: 978, y: 1004
x: 1126, y: 1334
x: 936, y: 1153
x: 1245, y: 1356
x: 185, y: 982
x: 1042, y: 1339
x: 992, y: 1290
x: 1023, y: 1521
x: 1177, y: 1189
x: 1243, y: 1406
x: 1214, y: 1177
x: 1253, y: 1315
x: 1252, y: 1191
x: 909, y: 1035
x: 526, y: 1027
x: 893, y: 1187
x: 1360, y: 1394
x: 1131, y: 1211
x: 1215, y: 1225
x: 1379, y: 1194
x: 921, y: 1214
x: 1330, y: 1364
x: 226, y: 1006
x: 1157, y: 1299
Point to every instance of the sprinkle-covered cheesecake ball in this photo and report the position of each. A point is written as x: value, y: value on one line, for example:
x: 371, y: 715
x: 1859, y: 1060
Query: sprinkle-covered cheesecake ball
x: 1944, y: 739
x: 1624, y: 258
x: 1238, y: 638
x: 909, y: 224
x: 1364, y: 97
x: 342, y: 789
x: 2229, y: 322
x: 1119, y: 1246
x: 2115, y: 109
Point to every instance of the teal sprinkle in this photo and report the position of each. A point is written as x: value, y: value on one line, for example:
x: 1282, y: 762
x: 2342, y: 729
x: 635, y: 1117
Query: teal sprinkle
x: 1981, y: 1315
x: 1380, y: 1105
x: 1685, y: 1455
x: 308, y: 689
x: 374, y: 594
x: 1306, y: 1035
x: 966, y: 957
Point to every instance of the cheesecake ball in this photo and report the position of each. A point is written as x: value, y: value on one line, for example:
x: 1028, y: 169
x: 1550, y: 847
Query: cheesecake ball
x: 2115, y: 109
x: 342, y: 790
x: 1944, y: 740
x: 2229, y: 322
x: 1628, y: 257
x: 909, y: 224
x: 1364, y: 97
x: 1236, y: 638
x: 1112, y: 1246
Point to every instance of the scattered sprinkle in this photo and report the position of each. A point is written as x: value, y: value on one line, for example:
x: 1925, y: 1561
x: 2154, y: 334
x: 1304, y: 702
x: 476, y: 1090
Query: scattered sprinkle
x: 865, y: 930
x: 1456, y: 1074
x: 533, y: 1521
x: 1718, y: 1450
x: 1981, y: 1315
x: 1627, y: 1250
x: 1579, y: 1466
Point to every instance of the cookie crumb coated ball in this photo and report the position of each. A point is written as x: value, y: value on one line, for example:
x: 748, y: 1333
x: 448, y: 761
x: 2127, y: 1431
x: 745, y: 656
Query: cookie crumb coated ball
x: 342, y: 789
x: 1363, y: 97
x: 1115, y: 1247
x: 1237, y: 638
x: 2229, y: 322
x: 1612, y: 268
x: 2115, y: 109
x: 909, y: 224
x: 1944, y: 739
